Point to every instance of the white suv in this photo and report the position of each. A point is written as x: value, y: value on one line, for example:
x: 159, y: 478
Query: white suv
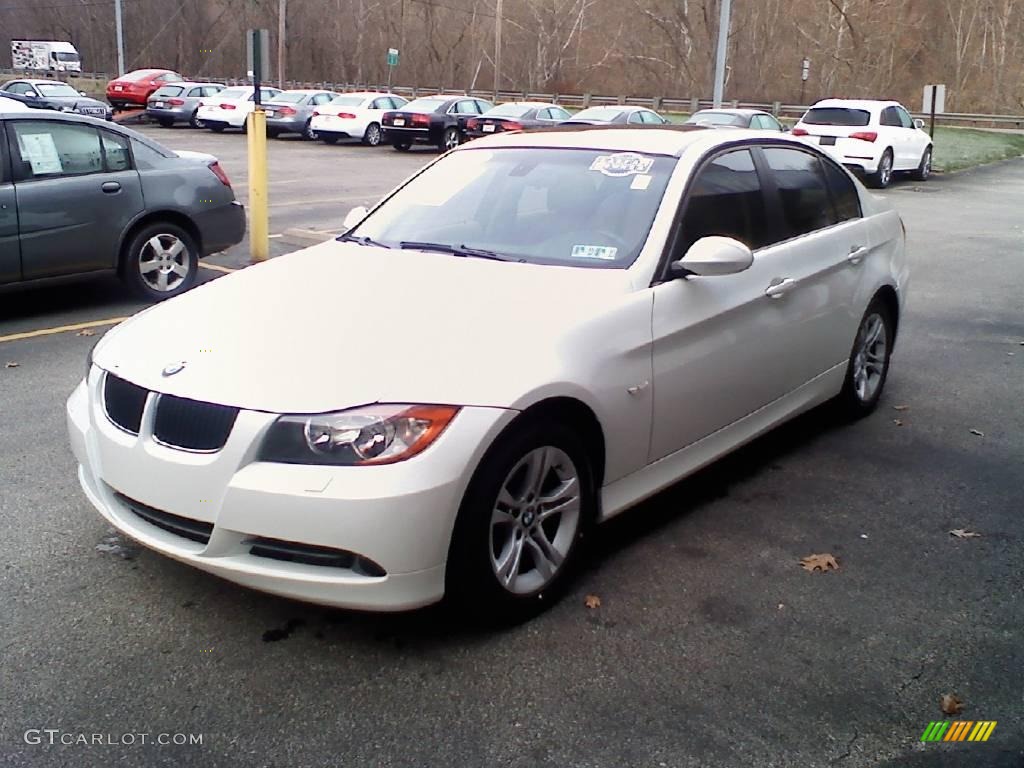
x: 875, y: 138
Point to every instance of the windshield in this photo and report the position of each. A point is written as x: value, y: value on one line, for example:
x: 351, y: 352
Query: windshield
x: 573, y: 207
x: 717, y: 118
x: 290, y: 97
x: 836, y: 116
x: 168, y: 90
x: 56, y: 89
x: 347, y: 101
x: 67, y: 57
x: 233, y: 93
x: 598, y: 113
x: 424, y: 105
x: 509, y: 110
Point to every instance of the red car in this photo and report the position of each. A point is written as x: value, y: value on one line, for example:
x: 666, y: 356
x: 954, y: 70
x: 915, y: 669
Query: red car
x: 134, y: 88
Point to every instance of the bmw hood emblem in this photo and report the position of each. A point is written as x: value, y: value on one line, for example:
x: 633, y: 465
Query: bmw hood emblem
x: 174, y: 368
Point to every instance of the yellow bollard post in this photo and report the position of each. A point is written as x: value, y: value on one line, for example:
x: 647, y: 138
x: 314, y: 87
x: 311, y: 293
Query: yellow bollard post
x: 259, y: 218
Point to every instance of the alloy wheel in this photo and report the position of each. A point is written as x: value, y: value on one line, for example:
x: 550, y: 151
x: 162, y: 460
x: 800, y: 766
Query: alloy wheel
x: 309, y: 133
x: 451, y: 139
x: 163, y: 262
x: 870, y: 358
x: 535, y: 520
x: 885, y: 172
x: 373, y: 135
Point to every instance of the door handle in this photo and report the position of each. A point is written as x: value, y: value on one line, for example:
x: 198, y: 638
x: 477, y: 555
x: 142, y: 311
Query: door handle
x: 110, y: 187
x: 780, y: 289
x: 857, y: 254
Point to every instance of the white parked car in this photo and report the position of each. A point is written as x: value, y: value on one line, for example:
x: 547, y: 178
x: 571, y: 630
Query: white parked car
x: 354, y: 116
x: 875, y: 138
x: 231, y: 107
x: 531, y: 335
x: 13, y: 105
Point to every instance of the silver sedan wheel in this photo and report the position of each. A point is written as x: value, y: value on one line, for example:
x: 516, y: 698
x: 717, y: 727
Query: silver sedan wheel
x: 870, y: 358
x: 309, y: 133
x: 163, y: 262
x: 535, y: 520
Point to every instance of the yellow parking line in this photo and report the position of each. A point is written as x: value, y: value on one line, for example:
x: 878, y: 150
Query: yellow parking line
x: 217, y: 268
x: 62, y: 329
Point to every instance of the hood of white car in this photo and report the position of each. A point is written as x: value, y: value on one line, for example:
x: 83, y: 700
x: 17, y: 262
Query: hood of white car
x: 340, y: 325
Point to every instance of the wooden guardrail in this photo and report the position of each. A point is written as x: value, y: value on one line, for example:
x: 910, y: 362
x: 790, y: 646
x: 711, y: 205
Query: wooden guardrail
x: 580, y: 101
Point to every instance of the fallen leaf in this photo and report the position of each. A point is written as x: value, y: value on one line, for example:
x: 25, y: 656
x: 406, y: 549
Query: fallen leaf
x: 951, y: 705
x: 824, y: 562
x: 86, y: 332
x: 592, y: 601
x: 11, y: 365
x: 960, y: 533
x: 901, y: 407
x: 898, y: 422
x: 863, y: 535
x: 781, y: 606
x: 977, y: 432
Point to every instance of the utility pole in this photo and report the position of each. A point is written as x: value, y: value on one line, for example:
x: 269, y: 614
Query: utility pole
x: 282, y: 10
x: 497, y: 49
x: 120, y: 37
x: 723, y: 49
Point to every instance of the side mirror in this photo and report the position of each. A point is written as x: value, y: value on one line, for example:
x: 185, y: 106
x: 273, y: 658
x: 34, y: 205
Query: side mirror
x: 31, y: 94
x: 355, y: 216
x: 919, y: 124
x: 786, y: 128
x: 82, y: 93
x: 713, y: 256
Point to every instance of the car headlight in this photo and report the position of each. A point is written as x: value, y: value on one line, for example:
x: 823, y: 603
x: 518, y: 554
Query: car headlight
x: 374, y: 434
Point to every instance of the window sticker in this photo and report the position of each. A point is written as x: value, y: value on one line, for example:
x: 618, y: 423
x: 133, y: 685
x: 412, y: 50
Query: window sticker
x: 641, y: 182
x: 622, y: 164
x: 41, y: 153
x: 603, y: 252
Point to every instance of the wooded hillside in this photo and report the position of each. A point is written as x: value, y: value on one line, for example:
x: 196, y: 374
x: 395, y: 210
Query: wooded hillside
x: 878, y: 48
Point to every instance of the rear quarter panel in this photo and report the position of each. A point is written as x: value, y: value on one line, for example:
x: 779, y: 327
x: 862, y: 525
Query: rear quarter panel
x: 887, y: 263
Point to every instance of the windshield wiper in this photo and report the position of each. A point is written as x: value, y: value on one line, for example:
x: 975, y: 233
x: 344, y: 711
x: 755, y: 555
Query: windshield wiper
x: 362, y: 241
x: 456, y: 250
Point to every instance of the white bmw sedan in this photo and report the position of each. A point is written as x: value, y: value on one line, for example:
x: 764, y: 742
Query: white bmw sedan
x: 534, y: 333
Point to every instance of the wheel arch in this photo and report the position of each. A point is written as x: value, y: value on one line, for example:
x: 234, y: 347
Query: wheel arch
x: 152, y: 217
x: 890, y: 299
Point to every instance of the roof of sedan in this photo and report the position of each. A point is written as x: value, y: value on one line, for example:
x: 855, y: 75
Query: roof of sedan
x: 654, y: 139
x: 856, y: 103
x: 738, y: 112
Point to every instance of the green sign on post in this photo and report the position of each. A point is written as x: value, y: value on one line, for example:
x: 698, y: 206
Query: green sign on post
x: 392, y: 57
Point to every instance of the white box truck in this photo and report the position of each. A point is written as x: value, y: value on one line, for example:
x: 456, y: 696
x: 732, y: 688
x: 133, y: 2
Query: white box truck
x: 45, y: 55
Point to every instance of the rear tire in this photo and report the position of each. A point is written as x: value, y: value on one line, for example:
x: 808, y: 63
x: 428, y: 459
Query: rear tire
x: 882, y: 178
x: 924, y: 170
x: 372, y: 135
x: 307, y: 131
x: 512, y: 555
x: 160, y: 261
x: 450, y: 139
x: 868, y: 367
x: 194, y: 121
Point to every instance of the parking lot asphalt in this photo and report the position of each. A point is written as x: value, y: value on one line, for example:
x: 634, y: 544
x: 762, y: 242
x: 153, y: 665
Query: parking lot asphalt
x: 711, y: 646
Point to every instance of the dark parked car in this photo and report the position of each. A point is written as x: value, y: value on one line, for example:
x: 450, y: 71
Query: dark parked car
x: 82, y: 196
x: 177, y: 103
x: 292, y: 111
x: 515, y: 116
x: 53, y: 94
x: 437, y: 120
x: 134, y: 88
x: 736, y: 118
x: 616, y: 116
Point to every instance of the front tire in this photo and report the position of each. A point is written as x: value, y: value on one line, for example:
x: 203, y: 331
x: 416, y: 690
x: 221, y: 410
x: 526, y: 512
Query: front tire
x: 520, y: 530
x: 924, y: 169
x: 868, y: 367
x: 160, y: 261
x: 882, y: 178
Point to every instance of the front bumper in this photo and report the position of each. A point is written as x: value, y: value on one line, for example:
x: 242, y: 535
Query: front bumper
x: 221, y: 227
x: 398, y: 516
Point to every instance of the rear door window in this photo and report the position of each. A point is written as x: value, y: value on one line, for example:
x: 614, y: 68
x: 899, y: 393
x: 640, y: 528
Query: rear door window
x: 726, y: 200
x: 802, y: 191
x: 891, y: 118
x: 844, y: 192
x: 50, y: 149
x: 115, y: 152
